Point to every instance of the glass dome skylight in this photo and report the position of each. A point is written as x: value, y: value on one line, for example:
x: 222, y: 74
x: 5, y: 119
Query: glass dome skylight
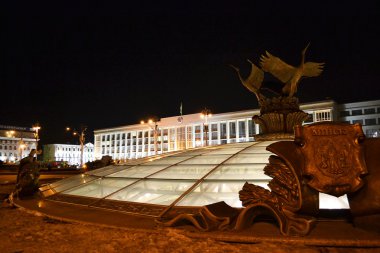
x: 190, y: 178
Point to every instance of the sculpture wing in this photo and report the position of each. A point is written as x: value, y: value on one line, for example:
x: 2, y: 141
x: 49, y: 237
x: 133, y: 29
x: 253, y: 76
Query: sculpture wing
x: 255, y: 78
x: 312, y: 69
x: 277, y: 67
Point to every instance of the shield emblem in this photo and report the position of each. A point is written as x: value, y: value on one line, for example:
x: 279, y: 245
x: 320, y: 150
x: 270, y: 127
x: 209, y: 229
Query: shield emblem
x: 333, y: 155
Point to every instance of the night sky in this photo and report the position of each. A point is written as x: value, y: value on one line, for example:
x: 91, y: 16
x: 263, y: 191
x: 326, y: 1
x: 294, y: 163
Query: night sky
x: 112, y: 65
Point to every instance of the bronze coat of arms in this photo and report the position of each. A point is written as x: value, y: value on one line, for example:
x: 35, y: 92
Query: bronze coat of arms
x: 334, y: 157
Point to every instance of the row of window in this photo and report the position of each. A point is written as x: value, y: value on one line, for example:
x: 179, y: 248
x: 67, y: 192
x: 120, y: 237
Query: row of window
x: 365, y: 122
x: 13, y: 147
x: 177, y: 138
x: 163, y: 133
x: 357, y: 112
x: 74, y: 149
x: 8, y: 141
x: 7, y: 154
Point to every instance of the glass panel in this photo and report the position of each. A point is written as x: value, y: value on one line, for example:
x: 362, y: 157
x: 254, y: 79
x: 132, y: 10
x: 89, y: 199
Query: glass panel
x: 255, y: 149
x: 160, y: 192
x: 370, y: 121
x: 72, y: 182
x: 184, y: 172
x: 207, y: 159
x: 239, y: 171
x: 100, y: 188
x: 192, y: 153
x: 211, y: 192
x: 249, y: 158
x: 140, y: 171
x: 357, y: 112
x: 168, y: 160
x: 226, y: 151
x: 107, y: 170
x: 264, y: 143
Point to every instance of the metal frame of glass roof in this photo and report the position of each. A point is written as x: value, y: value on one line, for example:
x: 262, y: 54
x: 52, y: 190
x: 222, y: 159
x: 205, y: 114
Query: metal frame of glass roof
x: 152, y: 186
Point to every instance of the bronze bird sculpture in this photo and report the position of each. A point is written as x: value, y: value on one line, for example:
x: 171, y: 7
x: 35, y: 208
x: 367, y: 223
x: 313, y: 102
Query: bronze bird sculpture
x: 254, y: 80
x: 288, y: 74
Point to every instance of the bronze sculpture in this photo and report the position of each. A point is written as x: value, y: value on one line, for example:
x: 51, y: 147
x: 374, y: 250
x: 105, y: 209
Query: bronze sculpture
x: 280, y: 113
x: 288, y: 74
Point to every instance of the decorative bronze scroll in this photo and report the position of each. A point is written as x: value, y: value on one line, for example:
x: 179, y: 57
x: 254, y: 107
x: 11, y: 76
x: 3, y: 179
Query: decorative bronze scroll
x: 282, y: 202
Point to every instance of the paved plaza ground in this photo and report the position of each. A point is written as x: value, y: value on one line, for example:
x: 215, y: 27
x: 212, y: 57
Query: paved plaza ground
x: 23, y: 230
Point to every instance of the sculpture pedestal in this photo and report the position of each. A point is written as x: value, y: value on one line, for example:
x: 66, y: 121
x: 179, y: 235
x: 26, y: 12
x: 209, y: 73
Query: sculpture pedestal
x: 278, y: 116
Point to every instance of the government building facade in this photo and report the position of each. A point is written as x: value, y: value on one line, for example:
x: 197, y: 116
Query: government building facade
x: 192, y: 130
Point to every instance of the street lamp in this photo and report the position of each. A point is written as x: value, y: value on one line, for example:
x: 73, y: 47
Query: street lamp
x: 36, y: 128
x: 206, y: 114
x: 153, y: 125
x: 81, y: 135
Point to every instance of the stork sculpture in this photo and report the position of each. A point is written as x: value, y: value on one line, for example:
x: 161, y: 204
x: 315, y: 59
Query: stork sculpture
x: 254, y: 80
x: 288, y: 74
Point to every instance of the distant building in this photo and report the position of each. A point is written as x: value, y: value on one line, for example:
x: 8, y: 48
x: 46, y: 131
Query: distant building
x: 189, y: 131
x: 68, y: 153
x: 366, y: 113
x: 15, y: 143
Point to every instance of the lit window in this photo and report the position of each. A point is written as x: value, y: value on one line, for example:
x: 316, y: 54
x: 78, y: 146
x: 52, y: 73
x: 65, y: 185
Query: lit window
x: 232, y: 129
x: 323, y: 116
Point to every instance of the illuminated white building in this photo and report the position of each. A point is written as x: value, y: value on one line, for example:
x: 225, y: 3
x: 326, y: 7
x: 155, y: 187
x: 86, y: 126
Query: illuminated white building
x: 15, y: 143
x: 68, y: 153
x: 188, y: 131
x: 366, y: 113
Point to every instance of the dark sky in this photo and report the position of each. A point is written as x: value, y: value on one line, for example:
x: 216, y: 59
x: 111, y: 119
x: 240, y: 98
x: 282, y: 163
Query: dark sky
x: 111, y: 65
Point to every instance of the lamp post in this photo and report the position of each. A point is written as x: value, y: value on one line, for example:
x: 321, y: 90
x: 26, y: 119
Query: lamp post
x: 154, y: 126
x: 81, y: 135
x: 36, y: 128
x: 206, y: 114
